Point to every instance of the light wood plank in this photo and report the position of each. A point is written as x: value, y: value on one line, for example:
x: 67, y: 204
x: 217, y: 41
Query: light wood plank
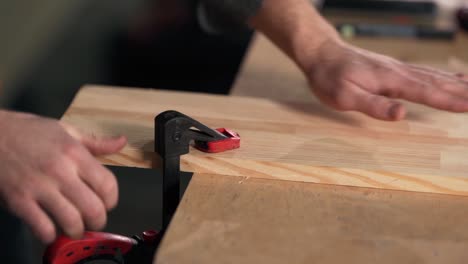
x: 246, y: 220
x: 290, y: 141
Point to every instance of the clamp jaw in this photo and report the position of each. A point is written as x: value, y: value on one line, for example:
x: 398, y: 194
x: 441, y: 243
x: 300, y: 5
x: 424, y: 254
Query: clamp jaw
x: 173, y: 134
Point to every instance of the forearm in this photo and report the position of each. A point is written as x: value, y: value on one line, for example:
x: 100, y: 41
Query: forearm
x: 296, y: 27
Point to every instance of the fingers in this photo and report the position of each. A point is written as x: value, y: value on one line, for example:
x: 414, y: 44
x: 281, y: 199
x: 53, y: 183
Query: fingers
x: 71, y: 202
x: 97, y: 146
x: 436, y: 72
x: 88, y: 171
x: 429, y: 70
x: 96, y: 182
x: 65, y: 214
x: 431, y: 87
x: 103, y: 146
x: 101, y: 181
x: 31, y: 213
x: 454, y: 84
x: 90, y: 206
x: 420, y: 92
x: 376, y: 106
x: 380, y: 107
x: 367, y: 82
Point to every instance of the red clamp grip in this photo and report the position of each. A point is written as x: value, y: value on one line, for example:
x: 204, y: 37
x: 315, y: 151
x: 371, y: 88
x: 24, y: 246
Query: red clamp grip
x: 232, y: 141
x: 66, y: 250
x: 97, y: 246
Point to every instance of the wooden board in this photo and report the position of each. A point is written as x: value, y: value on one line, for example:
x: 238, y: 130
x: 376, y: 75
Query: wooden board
x: 245, y: 220
x: 290, y: 141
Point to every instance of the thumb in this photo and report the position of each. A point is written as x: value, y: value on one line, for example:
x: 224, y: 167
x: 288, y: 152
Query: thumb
x: 97, y: 145
x: 103, y: 146
x: 377, y: 106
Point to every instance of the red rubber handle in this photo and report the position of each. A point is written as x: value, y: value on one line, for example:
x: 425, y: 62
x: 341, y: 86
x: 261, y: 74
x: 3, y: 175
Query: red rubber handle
x: 93, y: 245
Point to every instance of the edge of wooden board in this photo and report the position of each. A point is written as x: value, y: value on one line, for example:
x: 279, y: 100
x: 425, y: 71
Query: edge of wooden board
x: 372, y: 178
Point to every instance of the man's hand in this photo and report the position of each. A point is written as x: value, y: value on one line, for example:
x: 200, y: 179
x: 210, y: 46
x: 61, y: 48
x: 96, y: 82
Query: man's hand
x: 351, y: 79
x: 348, y: 78
x: 49, y: 175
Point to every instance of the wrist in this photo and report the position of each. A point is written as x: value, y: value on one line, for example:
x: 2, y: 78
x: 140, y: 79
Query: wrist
x: 310, y: 46
x: 297, y: 28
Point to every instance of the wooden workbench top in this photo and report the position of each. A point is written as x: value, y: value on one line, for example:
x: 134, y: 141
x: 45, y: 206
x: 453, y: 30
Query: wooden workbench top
x: 304, y: 142
x: 245, y: 220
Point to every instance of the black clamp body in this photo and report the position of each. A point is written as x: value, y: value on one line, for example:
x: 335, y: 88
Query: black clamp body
x: 173, y: 133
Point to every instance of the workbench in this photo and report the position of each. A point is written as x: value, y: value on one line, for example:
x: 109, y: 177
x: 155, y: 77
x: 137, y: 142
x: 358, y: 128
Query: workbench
x: 308, y: 184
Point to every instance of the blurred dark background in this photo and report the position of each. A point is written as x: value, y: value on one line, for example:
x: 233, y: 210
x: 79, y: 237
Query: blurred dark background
x: 50, y: 48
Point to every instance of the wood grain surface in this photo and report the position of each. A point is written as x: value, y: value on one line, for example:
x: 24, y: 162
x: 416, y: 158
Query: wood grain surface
x: 246, y: 220
x: 303, y: 142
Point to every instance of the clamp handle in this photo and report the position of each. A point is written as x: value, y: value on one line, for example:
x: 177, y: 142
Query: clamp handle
x: 95, y: 246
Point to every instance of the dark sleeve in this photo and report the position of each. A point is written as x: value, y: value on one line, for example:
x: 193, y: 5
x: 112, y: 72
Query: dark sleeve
x: 227, y: 16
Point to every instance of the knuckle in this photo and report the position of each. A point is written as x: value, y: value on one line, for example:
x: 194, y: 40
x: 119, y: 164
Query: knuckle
x: 58, y: 168
x: 72, y: 150
x: 52, y: 166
